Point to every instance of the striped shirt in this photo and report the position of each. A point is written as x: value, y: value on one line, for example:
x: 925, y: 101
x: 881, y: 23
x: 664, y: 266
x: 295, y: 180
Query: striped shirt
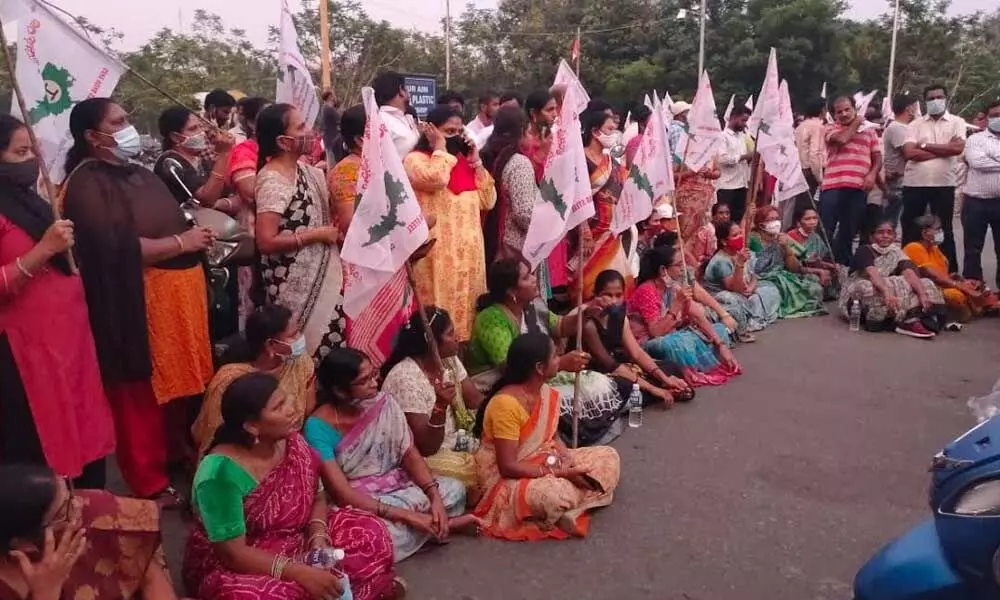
x: 847, y: 165
x: 982, y: 153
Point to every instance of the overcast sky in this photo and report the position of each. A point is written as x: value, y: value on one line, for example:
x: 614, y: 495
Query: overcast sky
x: 138, y: 20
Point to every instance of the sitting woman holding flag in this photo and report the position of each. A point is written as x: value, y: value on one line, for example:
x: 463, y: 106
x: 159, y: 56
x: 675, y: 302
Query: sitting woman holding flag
x: 672, y: 326
x: 777, y: 262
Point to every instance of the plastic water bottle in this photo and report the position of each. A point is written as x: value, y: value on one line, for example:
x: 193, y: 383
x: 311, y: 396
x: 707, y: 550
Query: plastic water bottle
x: 635, y: 407
x: 462, y: 441
x: 328, y: 559
x: 854, y: 314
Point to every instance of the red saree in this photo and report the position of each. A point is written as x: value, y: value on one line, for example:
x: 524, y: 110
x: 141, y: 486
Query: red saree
x: 277, y: 513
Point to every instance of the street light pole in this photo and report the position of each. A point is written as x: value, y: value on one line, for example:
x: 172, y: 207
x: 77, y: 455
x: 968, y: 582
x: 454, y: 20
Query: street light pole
x: 701, y: 42
x: 892, y: 52
x: 447, y: 44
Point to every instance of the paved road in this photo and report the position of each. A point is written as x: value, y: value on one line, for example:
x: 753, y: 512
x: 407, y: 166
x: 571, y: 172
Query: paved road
x: 774, y: 487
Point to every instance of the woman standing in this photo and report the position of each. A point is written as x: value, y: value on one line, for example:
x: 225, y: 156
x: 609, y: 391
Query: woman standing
x: 297, y: 234
x: 145, y: 286
x: 52, y: 406
x: 776, y: 261
x: 438, y: 404
x: 452, y: 187
x: 536, y: 488
x: 261, y: 509
x: 506, y: 226
x: 694, y: 195
x: 184, y: 140
x: 606, y: 179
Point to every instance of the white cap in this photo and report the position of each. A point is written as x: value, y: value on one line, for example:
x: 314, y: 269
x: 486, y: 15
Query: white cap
x: 664, y: 211
x: 679, y: 107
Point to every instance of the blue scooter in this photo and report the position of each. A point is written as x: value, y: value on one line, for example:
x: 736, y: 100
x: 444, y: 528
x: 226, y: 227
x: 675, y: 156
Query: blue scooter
x: 956, y: 554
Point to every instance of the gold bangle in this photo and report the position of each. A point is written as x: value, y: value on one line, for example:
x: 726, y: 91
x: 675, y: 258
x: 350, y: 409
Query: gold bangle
x: 22, y: 269
x: 6, y: 284
x: 218, y: 175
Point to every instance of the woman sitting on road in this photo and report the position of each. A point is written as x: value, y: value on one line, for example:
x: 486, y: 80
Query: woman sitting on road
x: 965, y: 299
x: 437, y: 403
x: 81, y: 544
x: 775, y: 260
x: 672, y: 326
x: 814, y: 253
x: 510, y: 310
x: 260, y: 510
x: 730, y: 278
x: 363, y: 438
x: 608, y: 338
x: 273, y: 345
x: 535, y: 487
x: 891, y: 294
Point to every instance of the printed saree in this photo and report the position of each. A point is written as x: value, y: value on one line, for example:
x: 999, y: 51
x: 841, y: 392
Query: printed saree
x: 606, y: 180
x: 527, y: 509
x: 801, y: 295
x: 277, y: 513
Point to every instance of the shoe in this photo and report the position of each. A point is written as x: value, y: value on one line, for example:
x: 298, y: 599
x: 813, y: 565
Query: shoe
x: 746, y: 338
x: 915, y: 329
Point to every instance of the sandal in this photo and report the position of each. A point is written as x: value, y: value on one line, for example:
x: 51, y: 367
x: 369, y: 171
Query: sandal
x: 399, y: 589
x: 746, y: 338
x: 685, y: 395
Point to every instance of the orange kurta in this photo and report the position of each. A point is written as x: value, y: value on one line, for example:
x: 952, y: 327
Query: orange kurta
x: 453, y: 275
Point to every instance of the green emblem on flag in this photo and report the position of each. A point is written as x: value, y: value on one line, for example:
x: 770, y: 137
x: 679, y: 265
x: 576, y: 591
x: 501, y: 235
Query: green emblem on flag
x: 56, y: 101
x: 551, y: 195
x: 396, y: 194
x: 640, y: 180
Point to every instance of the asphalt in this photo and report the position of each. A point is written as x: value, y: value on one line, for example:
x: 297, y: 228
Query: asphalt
x: 777, y: 486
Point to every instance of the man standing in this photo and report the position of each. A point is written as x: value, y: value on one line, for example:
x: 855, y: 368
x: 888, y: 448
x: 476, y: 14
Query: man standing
x: 219, y: 106
x: 982, y: 194
x: 489, y: 104
x: 393, y: 100
x: 679, y: 111
x: 853, y: 161
x: 811, y: 143
x: 453, y: 99
x: 331, y: 128
x: 904, y: 109
x: 734, y: 163
x: 930, y: 175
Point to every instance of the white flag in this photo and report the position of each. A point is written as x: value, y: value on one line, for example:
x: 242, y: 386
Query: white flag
x: 704, y: 138
x: 749, y: 102
x: 565, y: 77
x: 887, y: 114
x: 295, y: 84
x: 791, y: 179
x: 631, y: 129
x: 650, y: 176
x: 767, y: 99
x: 565, y: 187
x: 388, y: 225
x: 822, y: 92
x: 57, y: 67
x: 729, y: 108
x: 775, y: 125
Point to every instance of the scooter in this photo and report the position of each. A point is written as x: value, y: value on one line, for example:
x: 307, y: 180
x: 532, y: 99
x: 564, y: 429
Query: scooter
x: 956, y: 554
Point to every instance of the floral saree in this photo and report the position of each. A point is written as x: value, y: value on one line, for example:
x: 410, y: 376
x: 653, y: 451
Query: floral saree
x: 277, y: 514
x: 371, y: 456
x: 527, y: 509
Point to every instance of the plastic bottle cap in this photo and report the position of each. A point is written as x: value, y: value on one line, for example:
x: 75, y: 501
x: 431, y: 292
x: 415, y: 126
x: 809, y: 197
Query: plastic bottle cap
x: 338, y: 554
x: 461, y: 432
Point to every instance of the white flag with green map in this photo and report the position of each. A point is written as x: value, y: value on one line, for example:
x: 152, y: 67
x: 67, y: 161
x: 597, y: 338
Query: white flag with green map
x: 57, y: 67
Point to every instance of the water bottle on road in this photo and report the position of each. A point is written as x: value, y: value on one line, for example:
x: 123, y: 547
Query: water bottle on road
x: 635, y: 407
x: 854, y: 314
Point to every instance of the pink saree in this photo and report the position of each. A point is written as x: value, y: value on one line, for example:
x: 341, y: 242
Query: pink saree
x: 277, y: 513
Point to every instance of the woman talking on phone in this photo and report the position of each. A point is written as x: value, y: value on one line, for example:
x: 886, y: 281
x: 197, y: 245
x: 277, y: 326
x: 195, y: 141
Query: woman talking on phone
x: 452, y: 187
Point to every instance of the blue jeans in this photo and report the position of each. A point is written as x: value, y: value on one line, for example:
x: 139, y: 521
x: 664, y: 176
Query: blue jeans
x: 843, y: 207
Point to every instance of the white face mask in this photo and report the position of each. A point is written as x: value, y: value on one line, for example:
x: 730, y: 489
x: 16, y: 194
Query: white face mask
x: 772, y: 227
x: 938, y: 237
x: 937, y: 107
x: 196, y: 142
x: 128, y: 144
x: 610, y: 140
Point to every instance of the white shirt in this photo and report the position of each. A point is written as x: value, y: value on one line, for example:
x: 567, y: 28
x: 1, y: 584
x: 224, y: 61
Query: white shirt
x: 982, y: 153
x: 937, y: 172
x: 476, y: 126
x: 735, y: 173
x: 483, y: 136
x: 401, y: 127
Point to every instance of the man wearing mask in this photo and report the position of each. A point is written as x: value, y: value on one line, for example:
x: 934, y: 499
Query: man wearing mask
x: 393, y: 101
x: 982, y: 193
x: 853, y: 161
x: 904, y: 109
x: 734, y: 163
x: 930, y: 176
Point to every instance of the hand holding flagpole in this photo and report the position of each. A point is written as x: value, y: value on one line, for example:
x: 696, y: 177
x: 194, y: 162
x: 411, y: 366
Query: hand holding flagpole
x: 50, y: 188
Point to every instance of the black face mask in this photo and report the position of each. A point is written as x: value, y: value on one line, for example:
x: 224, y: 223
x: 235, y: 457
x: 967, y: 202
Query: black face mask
x: 456, y: 145
x: 23, y: 174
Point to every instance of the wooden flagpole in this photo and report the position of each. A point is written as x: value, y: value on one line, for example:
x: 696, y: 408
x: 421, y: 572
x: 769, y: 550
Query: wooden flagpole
x: 581, y: 258
x: 428, y: 334
x: 326, y: 76
x: 50, y: 188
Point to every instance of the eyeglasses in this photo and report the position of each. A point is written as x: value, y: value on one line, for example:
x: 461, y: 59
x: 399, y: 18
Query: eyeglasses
x: 63, y: 515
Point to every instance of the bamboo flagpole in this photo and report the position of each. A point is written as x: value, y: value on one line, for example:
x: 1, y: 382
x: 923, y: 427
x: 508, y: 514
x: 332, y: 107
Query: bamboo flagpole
x: 575, y: 55
x: 50, y: 188
x: 428, y: 334
x: 326, y: 76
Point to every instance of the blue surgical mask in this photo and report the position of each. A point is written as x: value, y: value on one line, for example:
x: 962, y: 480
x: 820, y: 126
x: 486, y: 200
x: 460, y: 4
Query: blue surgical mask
x: 938, y: 237
x: 296, y: 347
x: 993, y: 124
x: 937, y: 106
x: 128, y: 144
